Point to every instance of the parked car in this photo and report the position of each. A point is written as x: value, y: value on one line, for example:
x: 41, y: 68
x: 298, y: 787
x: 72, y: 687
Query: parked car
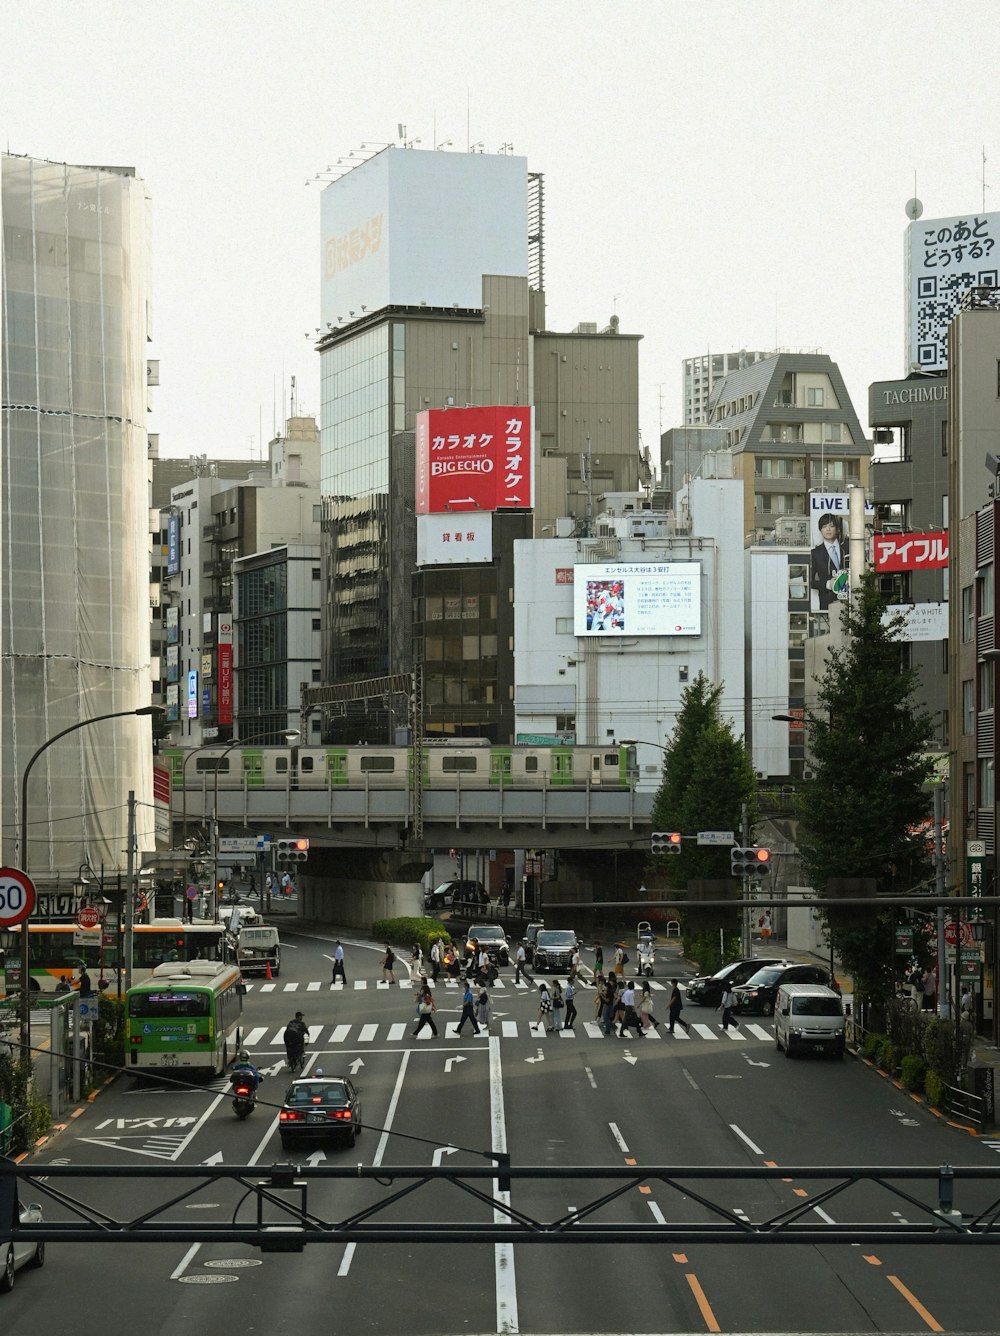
x: 493, y: 938
x: 756, y: 997
x: 456, y: 893
x: 553, y: 950
x: 706, y: 989
x: 318, y: 1108
x: 16, y: 1255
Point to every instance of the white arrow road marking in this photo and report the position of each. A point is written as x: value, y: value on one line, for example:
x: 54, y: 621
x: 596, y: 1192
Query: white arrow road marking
x: 315, y: 1157
x: 214, y: 1159
x: 539, y: 1056
x: 356, y: 1066
x: 751, y: 1062
x: 441, y: 1152
x: 450, y: 1062
x: 627, y: 1055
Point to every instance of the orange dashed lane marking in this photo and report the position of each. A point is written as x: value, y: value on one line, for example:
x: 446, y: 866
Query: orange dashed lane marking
x: 915, y: 1303
x: 705, y: 1308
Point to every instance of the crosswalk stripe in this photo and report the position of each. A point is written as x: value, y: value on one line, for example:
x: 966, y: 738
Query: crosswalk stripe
x: 396, y: 1031
x: 340, y: 1033
x: 367, y: 1034
x: 291, y: 988
x: 253, y: 1037
x: 593, y: 1029
x: 313, y: 987
x: 508, y: 1029
x: 759, y: 1031
x: 267, y: 987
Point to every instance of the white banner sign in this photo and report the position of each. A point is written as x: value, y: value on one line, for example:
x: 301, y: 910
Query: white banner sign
x: 922, y: 621
x: 453, y: 539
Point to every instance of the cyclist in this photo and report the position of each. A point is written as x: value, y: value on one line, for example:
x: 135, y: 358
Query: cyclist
x: 296, y: 1033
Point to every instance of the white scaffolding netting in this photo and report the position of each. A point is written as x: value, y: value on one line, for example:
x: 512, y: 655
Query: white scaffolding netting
x: 75, y: 554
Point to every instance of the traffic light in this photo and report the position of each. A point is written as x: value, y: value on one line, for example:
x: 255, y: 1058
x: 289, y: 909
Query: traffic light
x: 292, y: 851
x: 220, y: 884
x: 665, y: 842
x: 751, y: 861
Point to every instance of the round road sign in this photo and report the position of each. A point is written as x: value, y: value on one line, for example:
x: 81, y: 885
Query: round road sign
x: 952, y: 936
x: 89, y: 916
x: 17, y: 896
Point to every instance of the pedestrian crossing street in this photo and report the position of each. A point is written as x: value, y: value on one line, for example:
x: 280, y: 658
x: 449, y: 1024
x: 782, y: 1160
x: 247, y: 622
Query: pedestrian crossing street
x: 395, y: 1031
x: 262, y: 1037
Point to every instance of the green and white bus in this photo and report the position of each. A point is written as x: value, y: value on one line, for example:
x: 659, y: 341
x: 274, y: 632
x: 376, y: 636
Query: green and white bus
x: 186, y: 1015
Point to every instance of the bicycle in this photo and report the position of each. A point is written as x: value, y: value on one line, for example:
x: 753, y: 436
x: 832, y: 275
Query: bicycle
x: 296, y: 1059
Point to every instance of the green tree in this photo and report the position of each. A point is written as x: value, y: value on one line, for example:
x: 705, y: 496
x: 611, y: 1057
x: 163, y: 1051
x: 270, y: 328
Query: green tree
x: 864, y: 811
x: 707, y: 780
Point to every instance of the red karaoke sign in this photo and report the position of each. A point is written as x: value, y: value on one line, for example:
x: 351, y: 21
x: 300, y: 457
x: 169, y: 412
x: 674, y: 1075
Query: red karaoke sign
x: 474, y: 459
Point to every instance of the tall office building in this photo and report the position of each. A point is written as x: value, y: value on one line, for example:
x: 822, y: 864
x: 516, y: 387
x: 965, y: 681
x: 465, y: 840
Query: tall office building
x: 75, y: 556
x: 433, y: 298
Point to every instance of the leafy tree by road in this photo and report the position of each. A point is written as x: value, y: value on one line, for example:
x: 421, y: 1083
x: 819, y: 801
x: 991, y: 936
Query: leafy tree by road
x: 864, y: 812
x: 707, y: 779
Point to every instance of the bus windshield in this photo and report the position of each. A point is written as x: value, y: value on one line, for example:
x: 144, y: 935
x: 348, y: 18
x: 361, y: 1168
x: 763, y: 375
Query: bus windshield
x: 169, y: 1005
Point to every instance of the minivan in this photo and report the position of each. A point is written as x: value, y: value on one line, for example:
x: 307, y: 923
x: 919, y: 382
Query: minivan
x: 809, y: 1018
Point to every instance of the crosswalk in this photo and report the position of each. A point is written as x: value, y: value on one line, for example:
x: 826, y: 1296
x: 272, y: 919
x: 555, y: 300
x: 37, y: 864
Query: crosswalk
x: 394, y: 1032
x: 360, y: 985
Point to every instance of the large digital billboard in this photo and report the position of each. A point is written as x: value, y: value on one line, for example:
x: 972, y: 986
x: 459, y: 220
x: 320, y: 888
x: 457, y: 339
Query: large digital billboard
x: 416, y: 228
x: 654, y: 599
x: 945, y: 257
x: 474, y: 459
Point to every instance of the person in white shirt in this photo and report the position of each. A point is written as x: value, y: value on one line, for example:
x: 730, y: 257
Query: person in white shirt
x: 520, y: 961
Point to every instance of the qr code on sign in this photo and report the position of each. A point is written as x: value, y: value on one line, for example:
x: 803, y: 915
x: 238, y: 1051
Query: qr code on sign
x: 938, y: 297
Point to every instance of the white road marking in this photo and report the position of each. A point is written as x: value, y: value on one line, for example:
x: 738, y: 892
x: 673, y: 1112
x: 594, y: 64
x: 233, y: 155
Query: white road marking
x: 503, y: 1253
x: 618, y: 1138
x: 744, y: 1138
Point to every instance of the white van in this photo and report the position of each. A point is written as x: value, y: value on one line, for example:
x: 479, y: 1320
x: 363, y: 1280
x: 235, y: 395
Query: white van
x: 809, y: 1016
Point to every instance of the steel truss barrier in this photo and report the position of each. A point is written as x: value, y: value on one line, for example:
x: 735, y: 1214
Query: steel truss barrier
x: 279, y: 1219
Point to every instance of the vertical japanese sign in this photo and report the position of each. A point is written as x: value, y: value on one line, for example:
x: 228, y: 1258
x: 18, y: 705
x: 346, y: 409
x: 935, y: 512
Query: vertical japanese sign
x: 161, y: 806
x: 192, y: 694
x: 474, y: 459
x: 945, y: 257
x: 225, y: 681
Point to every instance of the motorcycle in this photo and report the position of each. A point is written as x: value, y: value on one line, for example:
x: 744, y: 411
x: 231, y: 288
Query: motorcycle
x: 244, y: 1094
x: 645, y: 949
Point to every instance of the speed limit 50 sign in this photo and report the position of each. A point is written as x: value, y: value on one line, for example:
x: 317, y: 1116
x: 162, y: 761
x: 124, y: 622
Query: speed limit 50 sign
x: 17, y: 896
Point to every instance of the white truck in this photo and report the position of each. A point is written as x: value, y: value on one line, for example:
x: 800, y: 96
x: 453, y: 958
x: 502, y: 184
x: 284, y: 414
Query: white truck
x: 258, y: 946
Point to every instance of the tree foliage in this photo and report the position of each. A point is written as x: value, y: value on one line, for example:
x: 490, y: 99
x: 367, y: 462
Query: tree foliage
x: 863, y: 814
x: 707, y: 780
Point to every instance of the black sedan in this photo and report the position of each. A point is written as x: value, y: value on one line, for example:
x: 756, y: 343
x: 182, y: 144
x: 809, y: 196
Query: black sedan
x: 318, y: 1108
x: 756, y: 996
x: 706, y: 989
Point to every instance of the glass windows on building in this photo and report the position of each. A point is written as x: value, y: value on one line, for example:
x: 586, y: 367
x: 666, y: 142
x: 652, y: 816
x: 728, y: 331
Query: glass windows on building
x: 455, y: 637
x: 356, y: 391
x: 780, y: 468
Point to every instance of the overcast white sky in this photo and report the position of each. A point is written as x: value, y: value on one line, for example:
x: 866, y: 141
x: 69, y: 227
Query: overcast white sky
x: 721, y: 175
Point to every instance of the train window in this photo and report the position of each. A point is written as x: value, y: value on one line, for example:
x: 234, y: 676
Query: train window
x: 212, y: 763
x: 450, y: 764
x: 281, y: 765
x: 306, y: 764
x: 530, y: 765
x: 378, y: 763
x: 611, y: 758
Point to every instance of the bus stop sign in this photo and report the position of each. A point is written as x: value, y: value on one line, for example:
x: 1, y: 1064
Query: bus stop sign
x: 17, y: 896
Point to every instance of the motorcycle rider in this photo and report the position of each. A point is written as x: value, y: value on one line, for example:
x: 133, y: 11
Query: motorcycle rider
x: 245, y: 1072
x: 296, y: 1033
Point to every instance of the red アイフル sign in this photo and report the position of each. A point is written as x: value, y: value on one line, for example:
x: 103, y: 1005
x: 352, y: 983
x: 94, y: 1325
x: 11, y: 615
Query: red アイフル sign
x: 910, y: 551
x: 474, y: 459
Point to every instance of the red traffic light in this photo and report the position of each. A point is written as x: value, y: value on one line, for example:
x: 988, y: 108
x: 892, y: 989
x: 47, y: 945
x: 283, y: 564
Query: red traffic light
x: 762, y: 856
x: 301, y: 845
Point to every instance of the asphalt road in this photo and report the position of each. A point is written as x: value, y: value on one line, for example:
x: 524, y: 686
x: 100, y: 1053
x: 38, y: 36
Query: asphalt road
x: 551, y: 1100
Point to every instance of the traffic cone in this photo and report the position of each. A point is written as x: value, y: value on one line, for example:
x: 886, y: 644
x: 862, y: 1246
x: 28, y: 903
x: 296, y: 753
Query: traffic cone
x: 267, y: 971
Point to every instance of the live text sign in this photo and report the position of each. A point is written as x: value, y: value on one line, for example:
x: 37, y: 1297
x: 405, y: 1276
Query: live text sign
x: 17, y: 896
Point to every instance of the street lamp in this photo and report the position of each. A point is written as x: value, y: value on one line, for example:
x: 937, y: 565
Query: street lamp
x: 142, y: 711
x: 290, y: 735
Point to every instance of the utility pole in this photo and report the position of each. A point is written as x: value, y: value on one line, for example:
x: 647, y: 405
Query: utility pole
x: 942, y: 972
x: 747, y: 911
x: 129, y: 907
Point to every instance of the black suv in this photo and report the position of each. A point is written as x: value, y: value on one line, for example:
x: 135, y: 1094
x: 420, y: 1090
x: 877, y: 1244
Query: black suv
x: 553, y: 950
x: 706, y: 989
x: 756, y: 996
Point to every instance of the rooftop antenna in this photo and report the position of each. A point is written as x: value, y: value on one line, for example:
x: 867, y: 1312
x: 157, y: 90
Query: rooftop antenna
x: 985, y: 186
x: 293, y: 412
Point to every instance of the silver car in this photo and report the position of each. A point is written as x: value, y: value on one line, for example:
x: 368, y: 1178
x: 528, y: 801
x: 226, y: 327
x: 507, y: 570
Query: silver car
x: 15, y: 1255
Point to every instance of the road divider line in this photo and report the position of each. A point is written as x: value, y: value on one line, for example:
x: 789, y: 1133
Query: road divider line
x: 503, y: 1253
x: 622, y: 1146
x: 704, y: 1307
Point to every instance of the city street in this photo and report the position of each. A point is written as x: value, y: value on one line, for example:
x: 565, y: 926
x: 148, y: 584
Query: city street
x: 552, y: 1100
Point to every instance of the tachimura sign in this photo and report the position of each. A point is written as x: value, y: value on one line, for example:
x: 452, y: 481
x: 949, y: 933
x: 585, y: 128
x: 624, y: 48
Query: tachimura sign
x: 910, y: 551
x: 474, y: 459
